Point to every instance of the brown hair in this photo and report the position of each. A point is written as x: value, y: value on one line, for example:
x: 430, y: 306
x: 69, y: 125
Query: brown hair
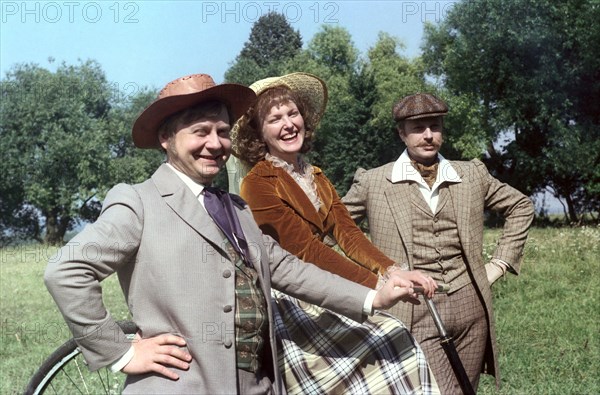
x: 207, y: 109
x: 250, y: 146
x: 184, y: 117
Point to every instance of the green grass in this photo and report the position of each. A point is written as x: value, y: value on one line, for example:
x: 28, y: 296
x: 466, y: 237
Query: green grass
x: 548, y: 318
x: 32, y: 327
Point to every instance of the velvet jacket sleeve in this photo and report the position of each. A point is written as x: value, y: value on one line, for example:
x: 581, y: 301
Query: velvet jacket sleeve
x: 283, y: 211
x: 350, y: 238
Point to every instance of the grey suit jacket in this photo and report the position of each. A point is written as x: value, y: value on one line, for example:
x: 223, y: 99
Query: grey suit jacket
x: 388, y: 209
x: 177, y: 278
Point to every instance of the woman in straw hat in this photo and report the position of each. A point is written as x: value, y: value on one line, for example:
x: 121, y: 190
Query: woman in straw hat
x: 298, y: 206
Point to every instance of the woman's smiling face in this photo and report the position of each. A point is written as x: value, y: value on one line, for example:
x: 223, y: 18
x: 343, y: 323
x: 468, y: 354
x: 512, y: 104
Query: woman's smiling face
x: 283, y: 131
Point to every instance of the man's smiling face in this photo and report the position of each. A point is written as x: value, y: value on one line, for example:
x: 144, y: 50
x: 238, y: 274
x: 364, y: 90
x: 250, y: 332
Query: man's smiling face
x: 200, y: 148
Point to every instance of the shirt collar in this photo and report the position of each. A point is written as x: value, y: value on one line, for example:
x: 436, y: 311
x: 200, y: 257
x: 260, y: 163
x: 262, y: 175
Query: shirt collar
x: 403, y: 170
x: 195, y: 187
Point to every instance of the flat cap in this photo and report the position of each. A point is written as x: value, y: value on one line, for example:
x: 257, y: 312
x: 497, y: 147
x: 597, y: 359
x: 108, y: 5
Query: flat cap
x: 420, y: 105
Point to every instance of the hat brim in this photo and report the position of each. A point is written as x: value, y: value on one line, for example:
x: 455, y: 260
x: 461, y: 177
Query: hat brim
x: 237, y: 98
x: 428, y: 115
x: 310, y: 88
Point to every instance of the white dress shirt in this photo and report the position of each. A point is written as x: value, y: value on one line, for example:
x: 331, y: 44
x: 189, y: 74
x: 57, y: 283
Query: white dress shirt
x: 194, y: 186
x: 403, y: 170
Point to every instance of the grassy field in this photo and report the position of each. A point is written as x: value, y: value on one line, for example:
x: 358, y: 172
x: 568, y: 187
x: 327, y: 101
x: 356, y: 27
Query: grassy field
x: 548, y: 318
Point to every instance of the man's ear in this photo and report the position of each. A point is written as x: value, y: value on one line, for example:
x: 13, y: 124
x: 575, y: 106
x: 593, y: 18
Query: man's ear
x: 400, y: 133
x: 163, y: 138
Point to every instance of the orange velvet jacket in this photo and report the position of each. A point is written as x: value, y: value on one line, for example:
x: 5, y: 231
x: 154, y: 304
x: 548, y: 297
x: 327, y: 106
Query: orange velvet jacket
x: 284, y: 212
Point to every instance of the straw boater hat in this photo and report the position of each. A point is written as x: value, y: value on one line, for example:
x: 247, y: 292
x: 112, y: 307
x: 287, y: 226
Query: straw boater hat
x: 184, y: 93
x: 311, y: 89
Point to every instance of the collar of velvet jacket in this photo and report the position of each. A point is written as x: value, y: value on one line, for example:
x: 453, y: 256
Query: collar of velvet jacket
x: 289, y: 191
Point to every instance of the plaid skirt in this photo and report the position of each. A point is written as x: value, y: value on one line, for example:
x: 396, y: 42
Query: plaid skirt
x: 321, y: 352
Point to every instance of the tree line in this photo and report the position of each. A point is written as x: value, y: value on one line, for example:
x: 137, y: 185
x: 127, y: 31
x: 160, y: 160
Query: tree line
x: 524, y: 96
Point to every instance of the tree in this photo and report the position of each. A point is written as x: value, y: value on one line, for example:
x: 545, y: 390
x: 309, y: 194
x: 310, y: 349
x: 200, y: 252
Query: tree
x: 59, y: 142
x: 535, y: 79
x: 271, y: 43
x: 333, y: 48
x: 128, y: 163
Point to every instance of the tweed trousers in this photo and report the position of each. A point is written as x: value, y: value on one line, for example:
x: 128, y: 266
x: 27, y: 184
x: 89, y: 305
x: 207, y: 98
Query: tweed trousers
x: 464, y: 318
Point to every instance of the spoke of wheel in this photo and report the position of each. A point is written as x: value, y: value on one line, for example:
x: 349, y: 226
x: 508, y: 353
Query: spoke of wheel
x: 51, y: 386
x: 87, y: 391
x: 73, y: 381
x: 105, y: 386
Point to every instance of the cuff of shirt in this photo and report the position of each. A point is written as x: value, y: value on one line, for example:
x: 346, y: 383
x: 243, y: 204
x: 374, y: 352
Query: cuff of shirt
x: 507, y: 265
x: 368, y: 305
x: 124, y: 360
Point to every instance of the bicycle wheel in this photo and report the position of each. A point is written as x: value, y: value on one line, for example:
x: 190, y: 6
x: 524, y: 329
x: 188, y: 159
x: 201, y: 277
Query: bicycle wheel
x: 66, y: 372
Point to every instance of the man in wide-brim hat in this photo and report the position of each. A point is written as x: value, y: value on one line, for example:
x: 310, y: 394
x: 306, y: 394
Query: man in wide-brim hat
x: 194, y: 267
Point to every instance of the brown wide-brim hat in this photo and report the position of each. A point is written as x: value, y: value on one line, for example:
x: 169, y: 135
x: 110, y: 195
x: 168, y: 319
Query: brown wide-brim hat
x: 311, y: 89
x: 419, y: 105
x: 184, y: 93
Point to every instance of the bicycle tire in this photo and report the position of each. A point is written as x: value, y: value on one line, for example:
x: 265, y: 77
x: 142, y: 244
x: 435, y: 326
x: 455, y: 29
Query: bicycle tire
x: 65, y: 366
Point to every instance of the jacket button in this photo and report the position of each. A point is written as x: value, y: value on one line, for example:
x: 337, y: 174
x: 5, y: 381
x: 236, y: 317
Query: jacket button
x: 435, y: 219
x: 228, y: 343
x: 227, y: 273
x: 227, y: 308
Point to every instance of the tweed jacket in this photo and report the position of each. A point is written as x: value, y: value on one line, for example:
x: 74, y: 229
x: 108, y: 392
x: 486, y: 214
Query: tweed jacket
x: 388, y: 209
x: 283, y: 211
x: 177, y: 278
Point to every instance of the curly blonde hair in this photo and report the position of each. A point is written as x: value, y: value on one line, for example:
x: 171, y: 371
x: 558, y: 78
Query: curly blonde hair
x: 249, y: 144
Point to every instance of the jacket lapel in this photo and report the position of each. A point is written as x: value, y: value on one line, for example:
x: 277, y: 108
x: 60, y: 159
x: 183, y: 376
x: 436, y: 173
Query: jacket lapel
x: 461, y: 202
x: 398, y: 198
x: 183, y: 202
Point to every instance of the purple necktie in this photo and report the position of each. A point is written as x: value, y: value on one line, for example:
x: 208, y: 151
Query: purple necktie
x: 220, y: 208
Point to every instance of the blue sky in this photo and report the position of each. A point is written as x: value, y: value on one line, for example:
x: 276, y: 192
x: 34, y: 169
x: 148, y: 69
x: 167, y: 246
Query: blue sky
x: 148, y: 43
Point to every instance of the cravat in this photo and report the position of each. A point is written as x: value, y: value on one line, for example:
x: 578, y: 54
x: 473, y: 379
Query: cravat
x: 429, y: 173
x: 220, y: 208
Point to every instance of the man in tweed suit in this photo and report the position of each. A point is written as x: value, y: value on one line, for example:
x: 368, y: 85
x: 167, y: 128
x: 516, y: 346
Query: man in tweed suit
x: 428, y: 212
x: 195, y: 268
